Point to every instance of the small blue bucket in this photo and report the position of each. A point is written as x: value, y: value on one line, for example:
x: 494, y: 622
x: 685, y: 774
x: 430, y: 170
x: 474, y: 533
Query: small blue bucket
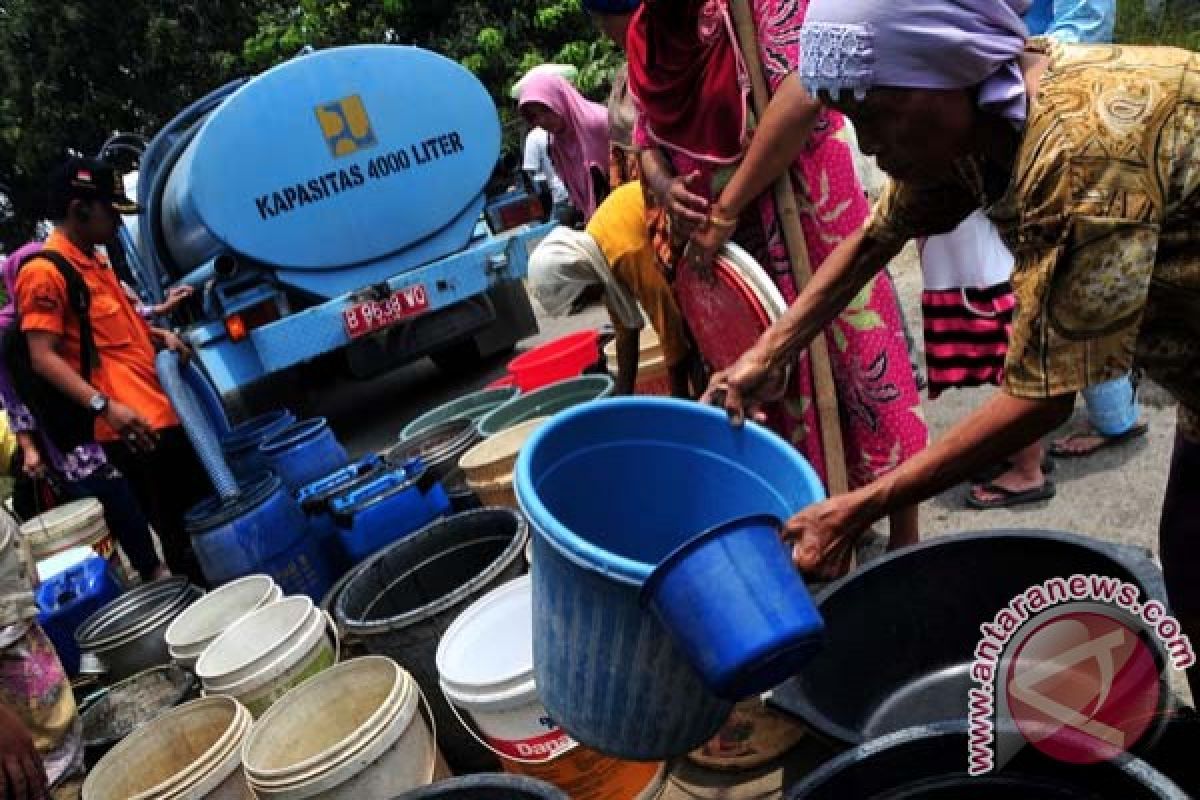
x: 737, y: 607
x: 611, y: 488
x: 304, y: 452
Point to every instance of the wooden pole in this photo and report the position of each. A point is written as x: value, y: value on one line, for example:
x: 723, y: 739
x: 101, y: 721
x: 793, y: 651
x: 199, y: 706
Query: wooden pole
x: 797, y: 247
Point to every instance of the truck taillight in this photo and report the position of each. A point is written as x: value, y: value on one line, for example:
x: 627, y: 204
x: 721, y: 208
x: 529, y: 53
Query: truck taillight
x: 239, y: 325
x: 515, y: 213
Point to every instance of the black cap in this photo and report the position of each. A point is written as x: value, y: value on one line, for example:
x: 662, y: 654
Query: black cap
x: 88, y: 179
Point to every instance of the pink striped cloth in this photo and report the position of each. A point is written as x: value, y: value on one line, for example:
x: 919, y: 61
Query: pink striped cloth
x: 966, y: 336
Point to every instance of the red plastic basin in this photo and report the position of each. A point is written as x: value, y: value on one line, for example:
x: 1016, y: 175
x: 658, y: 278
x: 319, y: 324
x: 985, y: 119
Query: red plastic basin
x: 556, y: 361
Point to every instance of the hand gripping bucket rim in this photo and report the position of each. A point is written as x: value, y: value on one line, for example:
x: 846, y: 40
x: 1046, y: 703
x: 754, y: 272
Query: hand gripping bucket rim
x: 186, y: 630
x: 298, y: 606
x: 488, y: 697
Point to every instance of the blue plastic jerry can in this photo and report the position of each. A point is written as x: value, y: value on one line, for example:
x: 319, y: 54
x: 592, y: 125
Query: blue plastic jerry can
x: 388, y: 508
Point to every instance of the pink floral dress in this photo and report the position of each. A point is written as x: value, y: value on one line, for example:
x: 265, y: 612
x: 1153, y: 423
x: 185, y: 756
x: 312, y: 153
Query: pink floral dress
x: 882, y: 422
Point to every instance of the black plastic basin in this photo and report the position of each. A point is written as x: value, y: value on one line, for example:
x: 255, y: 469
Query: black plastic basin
x: 900, y: 634
x: 930, y: 763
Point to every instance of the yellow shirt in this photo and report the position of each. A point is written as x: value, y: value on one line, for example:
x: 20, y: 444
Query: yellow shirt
x: 619, y: 228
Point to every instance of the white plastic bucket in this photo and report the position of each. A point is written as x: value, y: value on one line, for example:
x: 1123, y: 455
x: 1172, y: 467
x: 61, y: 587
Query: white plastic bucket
x: 198, y: 627
x: 485, y: 662
x: 255, y: 640
x: 193, y: 752
x: 77, y: 524
x: 298, y: 659
x: 353, y: 731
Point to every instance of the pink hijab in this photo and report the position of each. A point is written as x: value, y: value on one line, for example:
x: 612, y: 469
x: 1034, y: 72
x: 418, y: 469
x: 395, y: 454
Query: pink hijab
x: 584, y: 142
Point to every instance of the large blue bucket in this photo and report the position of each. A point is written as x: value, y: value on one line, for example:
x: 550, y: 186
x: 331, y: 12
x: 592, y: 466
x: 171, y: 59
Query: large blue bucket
x: 612, y: 488
x: 262, y: 530
x: 304, y: 452
x: 241, y: 443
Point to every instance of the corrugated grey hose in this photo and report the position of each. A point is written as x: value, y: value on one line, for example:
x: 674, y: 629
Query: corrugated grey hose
x: 202, y: 430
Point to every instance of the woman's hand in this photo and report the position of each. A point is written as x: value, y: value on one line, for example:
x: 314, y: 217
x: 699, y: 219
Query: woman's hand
x: 24, y: 772
x: 687, y: 209
x: 706, y: 242
x: 176, y: 296
x: 32, y: 463
x: 758, y: 377
x: 823, y: 536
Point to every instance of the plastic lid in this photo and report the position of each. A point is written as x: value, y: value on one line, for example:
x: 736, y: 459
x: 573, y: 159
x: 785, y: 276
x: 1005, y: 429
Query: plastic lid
x: 486, y: 656
x: 725, y: 317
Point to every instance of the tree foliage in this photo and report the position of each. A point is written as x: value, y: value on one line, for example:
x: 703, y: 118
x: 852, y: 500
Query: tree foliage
x: 72, y: 72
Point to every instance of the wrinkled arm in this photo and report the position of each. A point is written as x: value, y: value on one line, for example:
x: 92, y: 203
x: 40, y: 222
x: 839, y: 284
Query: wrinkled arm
x: 842, y: 276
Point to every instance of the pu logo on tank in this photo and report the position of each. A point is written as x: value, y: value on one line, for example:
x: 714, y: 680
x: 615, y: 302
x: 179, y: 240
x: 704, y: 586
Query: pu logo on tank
x: 346, y: 126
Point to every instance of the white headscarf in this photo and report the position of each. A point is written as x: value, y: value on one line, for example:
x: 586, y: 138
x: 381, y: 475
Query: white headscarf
x: 569, y: 261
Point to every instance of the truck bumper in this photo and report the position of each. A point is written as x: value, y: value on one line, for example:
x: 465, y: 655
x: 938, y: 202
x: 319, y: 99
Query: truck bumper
x: 463, y: 291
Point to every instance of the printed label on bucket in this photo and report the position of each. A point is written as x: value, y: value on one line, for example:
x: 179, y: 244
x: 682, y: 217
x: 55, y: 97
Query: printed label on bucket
x: 538, y: 748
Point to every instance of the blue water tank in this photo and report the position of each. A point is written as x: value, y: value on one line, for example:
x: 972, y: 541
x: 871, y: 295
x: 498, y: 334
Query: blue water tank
x: 261, y: 530
x: 338, y: 158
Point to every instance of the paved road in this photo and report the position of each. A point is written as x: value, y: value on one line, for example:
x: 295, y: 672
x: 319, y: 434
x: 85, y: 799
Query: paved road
x: 1114, y: 495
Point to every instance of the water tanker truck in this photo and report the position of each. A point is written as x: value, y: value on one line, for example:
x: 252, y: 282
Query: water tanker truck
x: 335, y: 209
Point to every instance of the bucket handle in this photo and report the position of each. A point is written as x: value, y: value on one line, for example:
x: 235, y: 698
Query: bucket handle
x: 432, y: 720
x: 337, y: 636
x: 483, y: 743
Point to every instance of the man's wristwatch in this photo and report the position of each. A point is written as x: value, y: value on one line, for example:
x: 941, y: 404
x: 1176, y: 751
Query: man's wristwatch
x: 98, y: 404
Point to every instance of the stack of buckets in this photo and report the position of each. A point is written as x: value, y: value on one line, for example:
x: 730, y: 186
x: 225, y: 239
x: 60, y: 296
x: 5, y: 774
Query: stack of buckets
x: 354, y: 731
x: 267, y: 652
x: 485, y: 663
x: 653, y: 377
x: 489, y: 465
x: 195, y: 629
x: 193, y: 751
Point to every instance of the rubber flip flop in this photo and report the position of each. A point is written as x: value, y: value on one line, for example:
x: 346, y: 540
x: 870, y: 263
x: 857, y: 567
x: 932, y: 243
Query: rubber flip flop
x: 1009, y: 498
x: 989, y: 475
x: 1106, y: 441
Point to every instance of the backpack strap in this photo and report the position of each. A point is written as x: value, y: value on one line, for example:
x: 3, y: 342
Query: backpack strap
x: 79, y: 298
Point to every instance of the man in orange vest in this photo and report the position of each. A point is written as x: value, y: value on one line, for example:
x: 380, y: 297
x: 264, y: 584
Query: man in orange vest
x: 117, y: 384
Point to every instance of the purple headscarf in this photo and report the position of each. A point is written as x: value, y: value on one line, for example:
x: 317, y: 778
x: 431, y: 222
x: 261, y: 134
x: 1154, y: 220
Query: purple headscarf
x: 8, y: 314
x: 918, y: 44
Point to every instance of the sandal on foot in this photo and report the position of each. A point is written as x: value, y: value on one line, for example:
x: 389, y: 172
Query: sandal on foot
x: 1105, y: 441
x: 1009, y: 498
x: 989, y: 475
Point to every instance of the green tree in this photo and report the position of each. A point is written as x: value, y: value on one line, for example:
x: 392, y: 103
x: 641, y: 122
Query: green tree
x: 498, y: 40
x: 73, y: 72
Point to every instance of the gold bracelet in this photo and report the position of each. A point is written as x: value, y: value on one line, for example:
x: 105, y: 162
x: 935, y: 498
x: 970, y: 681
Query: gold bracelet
x: 721, y: 222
